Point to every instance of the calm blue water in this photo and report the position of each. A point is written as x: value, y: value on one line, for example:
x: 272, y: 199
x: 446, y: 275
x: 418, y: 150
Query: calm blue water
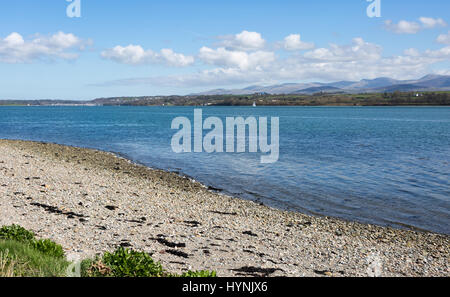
x: 386, y: 165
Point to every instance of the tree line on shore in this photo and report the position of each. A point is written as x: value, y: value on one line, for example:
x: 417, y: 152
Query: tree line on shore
x: 318, y: 99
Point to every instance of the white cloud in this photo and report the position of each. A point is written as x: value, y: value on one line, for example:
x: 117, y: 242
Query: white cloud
x: 329, y: 68
x: 244, y: 41
x: 206, y: 78
x: 440, y: 54
x: 136, y: 55
x: 176, y: 59
x: 293, y: 42
x: 240, y: 59
x: 252, y: 40
x: 14, y: 39
x: 357, y: 60
x: 411, y: 52
x: 442, y: 72
x: 358, y: 50
x: 429, y: 23
x: 15, y: 49
x: 60, y: 40
x: 132, y: 54
x: 444, y: 38
x: 405, y: 27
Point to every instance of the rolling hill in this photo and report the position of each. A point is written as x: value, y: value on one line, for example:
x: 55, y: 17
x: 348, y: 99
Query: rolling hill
x: 381, y: 84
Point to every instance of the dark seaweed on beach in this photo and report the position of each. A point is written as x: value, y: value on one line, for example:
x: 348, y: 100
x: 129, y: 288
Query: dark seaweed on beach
x: 111, y: 207
x: 178, y: 253
x: 225, y: 213
x: 55, y: 210
x: 250, y: 233
x: 168, y: 243
x: 192, y: 223
x: 256, y: 271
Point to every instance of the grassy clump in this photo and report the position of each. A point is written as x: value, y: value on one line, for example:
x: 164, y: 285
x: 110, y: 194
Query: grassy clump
x: 20, y: 234
x: 49, y: 248
x: 22, y: 259
x: 17, y: 233
x: 23, y: 255
x: 7, y: 265
x: 128, y: 263
x: 125, y: 263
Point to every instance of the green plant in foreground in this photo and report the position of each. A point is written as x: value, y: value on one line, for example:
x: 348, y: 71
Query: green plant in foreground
x: 7, y: 264
x: 49, y: 248
x: 22, y: 259
x: 17, y: 233
x: 20, y: 234
x: 94, y: 268
x: 22, y: 255
x: 128, y: 263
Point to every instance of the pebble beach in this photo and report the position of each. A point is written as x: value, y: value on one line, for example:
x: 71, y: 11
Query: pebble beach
x: 91, y: 202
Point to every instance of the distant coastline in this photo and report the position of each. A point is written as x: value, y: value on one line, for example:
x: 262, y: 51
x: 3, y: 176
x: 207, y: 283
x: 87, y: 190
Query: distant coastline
x: 439, y: 98
x: 430, y: 90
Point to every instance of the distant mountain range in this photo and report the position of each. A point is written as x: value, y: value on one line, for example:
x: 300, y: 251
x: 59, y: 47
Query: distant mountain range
x: 377, y: 85
x: 290, y: 94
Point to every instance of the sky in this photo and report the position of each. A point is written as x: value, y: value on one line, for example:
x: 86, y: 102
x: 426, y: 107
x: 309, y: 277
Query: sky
x: 149, y: 47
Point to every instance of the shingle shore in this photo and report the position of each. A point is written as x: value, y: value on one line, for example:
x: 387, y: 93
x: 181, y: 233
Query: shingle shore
x: 91, y: 202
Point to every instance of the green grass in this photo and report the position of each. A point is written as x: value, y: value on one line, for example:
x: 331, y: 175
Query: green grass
x: 21, y: 255
x: 17, y: 233
x: 23, y: 260
x: 125, y: 263
x: 128, y: 263
x: 7, y: 265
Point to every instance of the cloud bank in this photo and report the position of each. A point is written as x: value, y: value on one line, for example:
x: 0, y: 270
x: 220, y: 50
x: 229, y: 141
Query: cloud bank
x: 353, y: 61
x: 15, y: 49
x: 246, y: 57
x: 293, y: 42
x: 444, y: 38
x: 406, y: 27
x: 136, y: 55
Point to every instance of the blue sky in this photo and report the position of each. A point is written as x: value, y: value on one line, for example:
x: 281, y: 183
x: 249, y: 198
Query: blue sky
x: 144, y: 47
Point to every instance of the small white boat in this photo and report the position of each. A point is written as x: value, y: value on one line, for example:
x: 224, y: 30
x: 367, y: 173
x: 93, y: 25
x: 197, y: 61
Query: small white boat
x: 254, y: 104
